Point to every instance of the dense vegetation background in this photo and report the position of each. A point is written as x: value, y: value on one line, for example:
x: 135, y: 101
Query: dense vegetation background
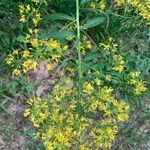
x: 102, y: 25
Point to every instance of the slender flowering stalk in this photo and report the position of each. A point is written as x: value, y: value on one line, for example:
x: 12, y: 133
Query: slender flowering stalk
x: 78, y: 42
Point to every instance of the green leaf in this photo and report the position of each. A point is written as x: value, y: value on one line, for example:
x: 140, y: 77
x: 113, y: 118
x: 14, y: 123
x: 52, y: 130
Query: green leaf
x: 59, y: 16
x: 21, y: 38
x: 58, y: 35
x: 13, y: 87
x: 83, y: 2
x: 94, y: 22
x: 91, y: 57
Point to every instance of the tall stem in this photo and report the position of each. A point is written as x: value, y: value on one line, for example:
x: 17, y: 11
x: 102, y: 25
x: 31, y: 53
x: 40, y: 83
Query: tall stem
x: 78, y: 42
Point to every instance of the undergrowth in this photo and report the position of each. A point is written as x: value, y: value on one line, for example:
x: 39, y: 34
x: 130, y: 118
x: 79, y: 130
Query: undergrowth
x: 99, y: 52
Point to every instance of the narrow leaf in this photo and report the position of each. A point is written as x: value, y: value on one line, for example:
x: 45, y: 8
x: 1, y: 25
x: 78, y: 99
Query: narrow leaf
x: 94, y: 22
x: 58, y: 35
x: 83, y: 2
x: 59, y: 16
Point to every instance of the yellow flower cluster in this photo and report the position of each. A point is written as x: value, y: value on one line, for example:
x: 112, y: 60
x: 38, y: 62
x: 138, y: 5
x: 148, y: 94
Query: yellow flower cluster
x: 21, y: 61
x: 27, y: 12
x: 119, y: 63
x: 47, y: 50
x: 110, y: 46
x: 70, y: 122
x: 37, y: 112
x: 37, y: 2
x: 24, y: 61
x: 87, y: 87
x: 29, y: 65
x: 16, y: 72
x: 85, y: 45
x: 101, y: 4
x: 142, y: 7
x: 138, y: 85
x: 9, y: 59
x: 108, y: 77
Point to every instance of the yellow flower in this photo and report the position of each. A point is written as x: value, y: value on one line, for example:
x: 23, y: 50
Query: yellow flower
x: 118, y: 59
x: 93, y: 106
x: 98, y: 81
x: 87, y: 87
x: 22, y: 8
x: 10, y: 59
x: 134, y: 74
x: 88, y: 45
x: 140, y: 88
x: 142, y: 7
x: 108, y: 77
x: 49, y: 145
x: 55, y: 58
x: 30, y: 30
x: 26, y: 54
x: 122, y: 117
x: 22, y: 19
x: 62, y: 138
x: 54, y: 44
x: 105, y: 46
x: 30, y: 101
x: 36, y: 1
x: 28, y: 8
x: 49, y: 67
x: 37, y: 18
x: 93, y: 5
x: 99, y: 5
x: 65, y: 47
x: 15, y: 52
x: 82, y: 147
x: 111, y: 133
x: 30, y: 65
x: 102, y: 4
x: 33, y: 65
x: 120, y: 2
x: 118, y: 68
x: 26, y: 112
x: 34, y: 42
x: 16, y: 72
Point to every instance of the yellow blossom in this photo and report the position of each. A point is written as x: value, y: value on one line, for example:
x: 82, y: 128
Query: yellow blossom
x: 26, y: 54
x: 49, y: 67
x: 15, y: 52
x: 34, y: 42
x: 82, y: 147
x: 22, y: 19
x: 134, y: 74
x: 118, y: 68
x: 30, y: 101
x: 30, y: 65
x: 16, y: 72
x: 140, y: 88
x: 65, y: 47
x: 36, y: 19
x: 26, y: 112
x: 108, y: 77
x: 122, y: 117
x: 36, y: 1
x: 88, y: 88
x: 98, y: 81
x: 54, y: 44
x: 10, y: 59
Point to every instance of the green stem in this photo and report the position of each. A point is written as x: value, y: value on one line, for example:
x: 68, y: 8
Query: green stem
x: 78, y: 42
